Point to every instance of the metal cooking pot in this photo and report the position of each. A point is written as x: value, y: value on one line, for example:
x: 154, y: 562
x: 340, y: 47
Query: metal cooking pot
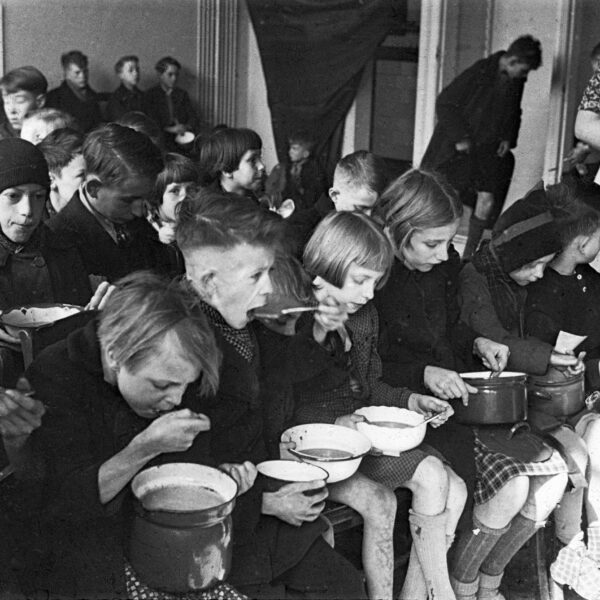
x: 556, y: 393
x: 499, y: 400
x: 182, y: 548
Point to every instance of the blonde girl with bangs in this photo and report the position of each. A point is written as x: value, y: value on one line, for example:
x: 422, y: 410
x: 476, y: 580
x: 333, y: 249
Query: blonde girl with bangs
x: 348, y: 257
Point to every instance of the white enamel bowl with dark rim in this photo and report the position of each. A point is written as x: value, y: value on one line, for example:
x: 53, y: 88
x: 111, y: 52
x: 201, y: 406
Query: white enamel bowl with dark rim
x: 342, y: 448
x: 34, y: 317
x: 387, y: 439
x: 499, y: 400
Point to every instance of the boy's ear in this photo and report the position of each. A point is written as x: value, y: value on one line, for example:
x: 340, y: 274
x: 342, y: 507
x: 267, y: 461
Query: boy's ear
x: 92, y: 186
x: 333, y: 194
x: 318, y: 281
x: 305, y: 153
x: 206, y: 285
x: 40, y: 101
x: 53, y: 185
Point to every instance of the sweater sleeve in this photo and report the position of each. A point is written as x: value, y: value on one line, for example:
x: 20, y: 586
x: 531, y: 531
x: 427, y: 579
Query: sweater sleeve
x: 477, y: 310
x: 65, y: 442
x: 451, y: 103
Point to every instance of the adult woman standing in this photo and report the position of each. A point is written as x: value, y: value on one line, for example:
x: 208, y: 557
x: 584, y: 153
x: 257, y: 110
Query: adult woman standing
x: 113, y: 396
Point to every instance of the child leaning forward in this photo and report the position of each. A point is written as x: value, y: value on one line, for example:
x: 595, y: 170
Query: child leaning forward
x: 349, y: 256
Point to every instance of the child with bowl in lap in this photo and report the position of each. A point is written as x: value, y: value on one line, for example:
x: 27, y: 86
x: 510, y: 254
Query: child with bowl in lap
x: 348, y: 256
x: 229, y: 247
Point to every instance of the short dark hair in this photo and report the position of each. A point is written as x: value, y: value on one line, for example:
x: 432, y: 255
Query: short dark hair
x: 365, y: 169
x: 26, y: 78
x: 177, y: 169
x: 528, y: 50
x: 60, y: 147
x: 141, y: 122
x: 124, y: 59
x: 222, y: 151
x: 164, y: 62
x: 114, y: 153
x: 213, y: 219
x: 302, y: 138
x: 143, y: 309
x: 74, y: 57
x: 573, y: 216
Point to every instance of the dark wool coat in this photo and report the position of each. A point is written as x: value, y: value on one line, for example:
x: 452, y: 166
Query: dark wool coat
x: 101, y: 255
x: 86, y: 112
x: 122, y: 101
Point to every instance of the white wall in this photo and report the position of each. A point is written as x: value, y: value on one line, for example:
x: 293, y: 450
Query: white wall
x: 253, y: 110
x: 37, y: 32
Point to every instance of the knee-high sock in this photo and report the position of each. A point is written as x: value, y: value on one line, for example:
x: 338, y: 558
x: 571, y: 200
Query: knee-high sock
x: 520, y: 530
x: 472, y: 548
x: 429, y: 540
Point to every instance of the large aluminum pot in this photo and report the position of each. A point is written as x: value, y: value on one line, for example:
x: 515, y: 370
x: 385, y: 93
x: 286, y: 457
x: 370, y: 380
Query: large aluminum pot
x: 181, y: 539
x: 557, y: 393
x: 499, y: 400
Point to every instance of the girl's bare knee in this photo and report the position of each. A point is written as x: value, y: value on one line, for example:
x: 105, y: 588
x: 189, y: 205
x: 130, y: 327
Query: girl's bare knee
x: 430, y: 475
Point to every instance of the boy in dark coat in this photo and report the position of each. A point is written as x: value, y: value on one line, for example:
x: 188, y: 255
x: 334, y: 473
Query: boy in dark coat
x: 74, y: 95
x: 479, y: 115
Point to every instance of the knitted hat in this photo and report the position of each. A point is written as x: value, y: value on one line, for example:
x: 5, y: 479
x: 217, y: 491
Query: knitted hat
x: 525, y: 232
x: 21, y: 162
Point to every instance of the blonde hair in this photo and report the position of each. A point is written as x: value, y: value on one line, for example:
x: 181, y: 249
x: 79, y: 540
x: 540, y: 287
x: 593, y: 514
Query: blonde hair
x: 343, y: 238
x: 142, y: 310
x: 415, y: 201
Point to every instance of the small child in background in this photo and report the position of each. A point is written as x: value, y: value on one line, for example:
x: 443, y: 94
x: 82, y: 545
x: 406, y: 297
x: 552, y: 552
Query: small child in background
x: 231, y: 161
x: 358, y: 181
x: 301, y: 178
x: 74, y: 95
x: 177, y: 180
x: 127, y: 97
x: 23, y: 91
x: 37, y: 125
x: 62, y: 149
x: 168, y: 105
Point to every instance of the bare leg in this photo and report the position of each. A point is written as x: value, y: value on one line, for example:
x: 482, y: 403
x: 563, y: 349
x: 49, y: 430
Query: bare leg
x: 592, y: 499
x: 456, y: 499
x: 499, y: 510
x: 377, y: 506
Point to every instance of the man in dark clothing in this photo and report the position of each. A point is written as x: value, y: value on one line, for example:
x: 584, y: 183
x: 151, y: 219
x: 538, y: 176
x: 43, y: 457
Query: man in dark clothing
x: 74, y: 95
x: 479, y: 115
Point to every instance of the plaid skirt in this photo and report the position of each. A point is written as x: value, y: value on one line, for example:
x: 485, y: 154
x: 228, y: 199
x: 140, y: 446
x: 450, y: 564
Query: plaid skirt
x: 393, y: 471
x: 495, y: 469
x: 136, y: 590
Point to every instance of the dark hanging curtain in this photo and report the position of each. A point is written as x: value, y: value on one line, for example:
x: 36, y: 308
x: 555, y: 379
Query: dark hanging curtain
x: 313, y: 53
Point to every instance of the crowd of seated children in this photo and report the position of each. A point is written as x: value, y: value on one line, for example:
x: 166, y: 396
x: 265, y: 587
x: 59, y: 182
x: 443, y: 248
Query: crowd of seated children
x: 127, y: 97
x: 105, y: 219
x: 63, y: 151
x: 169, y: 106
x: 348, y: 256
x: 300, y: 177
x: 23, y: 91
x: 74, y: 95
x: 229, y: 247
x: 38, y: 124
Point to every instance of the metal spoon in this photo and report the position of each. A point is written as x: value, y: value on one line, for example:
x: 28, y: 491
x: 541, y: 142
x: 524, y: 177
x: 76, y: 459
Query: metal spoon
x: 277, y: 314
x: 397, y: 425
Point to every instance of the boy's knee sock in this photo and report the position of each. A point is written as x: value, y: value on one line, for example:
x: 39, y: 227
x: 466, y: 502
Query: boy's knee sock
x: 414, y: 587
x: 472, y: 548
x: 520, y: 530
x: 567, y: 516
x: 429, y: 540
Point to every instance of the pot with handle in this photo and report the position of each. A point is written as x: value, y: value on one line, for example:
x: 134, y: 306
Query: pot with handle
x: 181, y: 538
x: 499, y: 400
x: 556, y: 393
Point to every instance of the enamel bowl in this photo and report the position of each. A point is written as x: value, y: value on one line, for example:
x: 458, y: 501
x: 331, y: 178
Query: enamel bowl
x: 342, y: 448
x: 34, y: 317
x: 389, y: 440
